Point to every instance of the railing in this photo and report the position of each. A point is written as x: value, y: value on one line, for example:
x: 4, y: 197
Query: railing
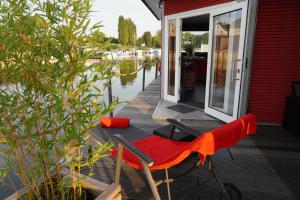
x: 110, y: 96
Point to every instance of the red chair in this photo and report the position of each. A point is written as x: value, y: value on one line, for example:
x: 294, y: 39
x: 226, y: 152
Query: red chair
x: 157, y: 153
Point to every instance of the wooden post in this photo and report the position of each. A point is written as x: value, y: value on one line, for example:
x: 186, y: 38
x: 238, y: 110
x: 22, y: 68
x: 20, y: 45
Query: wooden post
x: 111, y: 114
x: 144, y: 73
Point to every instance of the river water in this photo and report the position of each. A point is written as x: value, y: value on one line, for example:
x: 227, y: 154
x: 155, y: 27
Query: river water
x: 126, y: 87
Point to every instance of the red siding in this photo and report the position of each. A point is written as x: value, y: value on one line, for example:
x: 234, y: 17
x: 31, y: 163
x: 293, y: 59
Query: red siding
x: 276, y: 58
x: 176, y: 6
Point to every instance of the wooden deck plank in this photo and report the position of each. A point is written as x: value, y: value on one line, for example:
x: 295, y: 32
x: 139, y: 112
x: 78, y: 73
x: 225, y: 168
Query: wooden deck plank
x: 265, y: 166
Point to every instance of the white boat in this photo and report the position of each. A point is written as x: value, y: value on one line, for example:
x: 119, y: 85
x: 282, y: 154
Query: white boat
x: 148, y: 53
x: 125, y: 53
x: 109, y: 55
x: 156, y: 52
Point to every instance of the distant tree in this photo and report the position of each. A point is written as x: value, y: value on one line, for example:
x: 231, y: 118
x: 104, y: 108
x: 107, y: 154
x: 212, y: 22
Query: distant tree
x: 139, y: 42
x: 188, y: 41
x: 131, y: 32
x: 113, y: 40
x: 122, y: 31
x: 156, y: 40
x: 97, y: 40
x: 197, y: 41
x: 147, y: 38
x: 126, y: 31
x: 153, y: 42
x: 204, y: 38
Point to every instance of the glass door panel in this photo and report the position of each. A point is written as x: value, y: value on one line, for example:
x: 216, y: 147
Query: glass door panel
x: 226, y: 38
x: 227, y: 32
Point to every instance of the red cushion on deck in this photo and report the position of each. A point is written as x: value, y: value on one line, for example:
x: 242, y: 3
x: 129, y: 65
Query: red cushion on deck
x: 114, y: 122
x: 167, y: 153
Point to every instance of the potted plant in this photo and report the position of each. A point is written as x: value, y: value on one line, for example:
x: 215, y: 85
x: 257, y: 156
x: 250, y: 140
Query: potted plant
x: 49, y: 99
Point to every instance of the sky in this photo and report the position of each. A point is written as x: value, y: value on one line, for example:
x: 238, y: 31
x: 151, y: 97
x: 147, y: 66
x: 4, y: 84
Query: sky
x: 108, y: 11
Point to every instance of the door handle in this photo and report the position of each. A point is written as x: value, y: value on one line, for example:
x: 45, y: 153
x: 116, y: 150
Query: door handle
x: 235, y: 70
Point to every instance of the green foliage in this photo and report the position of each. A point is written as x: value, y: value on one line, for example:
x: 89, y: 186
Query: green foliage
x: 96, y: 39
x: 204, y: 38
x: 139, y: 42
x: 149, y: 41
x: 131, y: 32
x: 197, y: 41
x: 156, y: 40
x: 188, y: 40
x: 127, y: 31
x: 191, y: 41
x: 147, y: 38
x: 157, y: 43
x: 48, y: 96
x: 113, y: 40
x: 122, y: 31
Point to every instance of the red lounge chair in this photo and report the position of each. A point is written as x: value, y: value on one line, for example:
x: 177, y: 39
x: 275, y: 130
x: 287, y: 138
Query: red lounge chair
x: 157, y: 153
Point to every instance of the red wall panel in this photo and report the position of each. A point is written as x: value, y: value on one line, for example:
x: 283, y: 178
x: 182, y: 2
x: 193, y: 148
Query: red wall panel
x: 176, y: 6
x: 276, y: 58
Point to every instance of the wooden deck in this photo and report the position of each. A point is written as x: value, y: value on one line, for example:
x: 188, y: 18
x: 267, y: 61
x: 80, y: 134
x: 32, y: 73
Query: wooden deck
x: 265, y: 166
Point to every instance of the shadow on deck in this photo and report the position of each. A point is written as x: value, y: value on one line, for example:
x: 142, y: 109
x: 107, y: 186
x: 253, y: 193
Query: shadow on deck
x: 265, y: 166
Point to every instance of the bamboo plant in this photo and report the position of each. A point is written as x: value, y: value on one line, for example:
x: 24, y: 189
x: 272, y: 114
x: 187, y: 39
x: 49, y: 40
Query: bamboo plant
x: 48, y: 97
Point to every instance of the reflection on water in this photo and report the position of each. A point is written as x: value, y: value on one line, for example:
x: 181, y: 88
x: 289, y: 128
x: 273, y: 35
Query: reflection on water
x: 148, y: 62
x: 128, y: 71
x: 129, y: 84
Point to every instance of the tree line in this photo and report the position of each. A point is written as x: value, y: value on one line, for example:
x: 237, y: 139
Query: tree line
x: 147, y: 40
x: 127, y: 35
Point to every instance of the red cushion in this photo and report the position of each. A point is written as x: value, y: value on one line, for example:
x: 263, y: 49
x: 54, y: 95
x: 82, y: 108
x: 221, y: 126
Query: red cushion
x: 114, y: 122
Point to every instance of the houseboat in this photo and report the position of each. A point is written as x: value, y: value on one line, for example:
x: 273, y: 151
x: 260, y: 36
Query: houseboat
x: 251, y: 60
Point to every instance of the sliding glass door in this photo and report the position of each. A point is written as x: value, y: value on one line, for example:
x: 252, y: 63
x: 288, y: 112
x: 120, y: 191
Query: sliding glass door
x: 227, y: 32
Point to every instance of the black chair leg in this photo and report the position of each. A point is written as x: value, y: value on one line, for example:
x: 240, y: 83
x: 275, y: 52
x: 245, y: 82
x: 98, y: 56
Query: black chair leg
x: 228, y: 190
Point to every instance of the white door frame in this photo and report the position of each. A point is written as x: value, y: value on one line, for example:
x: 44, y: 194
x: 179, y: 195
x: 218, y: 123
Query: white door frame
x: 179, y: 16
x: 218, y: 114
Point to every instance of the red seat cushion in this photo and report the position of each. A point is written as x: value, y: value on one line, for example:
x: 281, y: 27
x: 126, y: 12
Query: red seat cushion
x: 114, y: 122
x: 164, y: 152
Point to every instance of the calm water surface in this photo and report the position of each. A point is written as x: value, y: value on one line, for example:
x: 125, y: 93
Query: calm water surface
x: 128, y: 86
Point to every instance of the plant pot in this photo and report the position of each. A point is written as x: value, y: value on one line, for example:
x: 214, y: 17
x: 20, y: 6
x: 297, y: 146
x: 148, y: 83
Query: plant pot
x: 98, y: 189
